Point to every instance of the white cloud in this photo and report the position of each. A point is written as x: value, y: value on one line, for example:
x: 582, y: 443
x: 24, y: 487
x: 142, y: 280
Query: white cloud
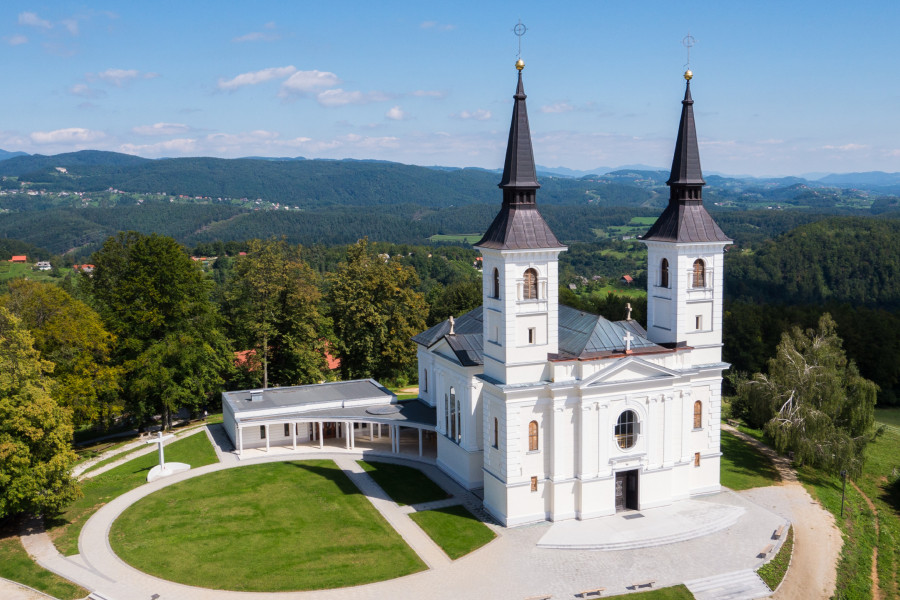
x: 436, y: 25
x: 395, y: 114
x: 15, y: 40
x: 558, y: 107
x: 183, y: 146
x: 85, y: 91
x: 71, y: 25
x: 846, y: 147
x: 119, y: 77
x: 429, y: 94
x: 257, y: 36
x: 304, y: 82
x: 478, y: 115
x: 32, y: 20
x: 339, y: 97
x: 256, y: 77
x: 70, y: 135
x: 161, y: 129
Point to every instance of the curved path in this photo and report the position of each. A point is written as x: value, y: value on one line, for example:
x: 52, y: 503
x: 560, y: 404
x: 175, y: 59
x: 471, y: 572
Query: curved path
x: 817, y: 540
x: 511, y: 566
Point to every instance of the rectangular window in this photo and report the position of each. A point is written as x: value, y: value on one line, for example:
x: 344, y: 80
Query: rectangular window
x: 699, y: 322
x: 287, y: 430
x: 532, y: 335
x: 262, y: 432
x: 696, y: 459
x: 534, y: 484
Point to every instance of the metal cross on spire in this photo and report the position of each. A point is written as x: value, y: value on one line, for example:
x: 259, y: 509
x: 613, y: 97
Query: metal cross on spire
x: 688, y: 42
x: 519, y: 30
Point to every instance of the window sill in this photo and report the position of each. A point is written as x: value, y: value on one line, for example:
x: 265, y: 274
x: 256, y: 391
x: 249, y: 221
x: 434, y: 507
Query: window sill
x: 697, y: 429
x: 532, y: 452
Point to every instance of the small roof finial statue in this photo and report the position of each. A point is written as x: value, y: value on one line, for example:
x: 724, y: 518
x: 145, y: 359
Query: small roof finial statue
x: 520, y: 30
x: 452, y: 324
x: 628, y: 311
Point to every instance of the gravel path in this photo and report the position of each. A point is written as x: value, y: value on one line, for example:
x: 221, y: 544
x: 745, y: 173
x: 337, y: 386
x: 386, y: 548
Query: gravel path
x: 817, y: 540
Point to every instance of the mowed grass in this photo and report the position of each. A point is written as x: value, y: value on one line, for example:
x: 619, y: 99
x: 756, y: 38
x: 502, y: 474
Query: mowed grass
x: 65, y: 528
x: 774, y: 571
x: 266, y: 528
x: 454, y: 529
x: 15, y: 564
x: 466, y: 238
x: 676, y: 592
x: 405, y: 485
x: 888, y: 416
x: 743, y: 467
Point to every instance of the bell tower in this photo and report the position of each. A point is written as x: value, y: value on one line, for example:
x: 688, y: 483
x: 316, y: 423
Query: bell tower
x: 520, y: 267
x: 685, y: 254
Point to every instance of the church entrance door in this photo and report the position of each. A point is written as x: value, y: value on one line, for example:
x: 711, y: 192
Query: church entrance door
x: 627, y: 490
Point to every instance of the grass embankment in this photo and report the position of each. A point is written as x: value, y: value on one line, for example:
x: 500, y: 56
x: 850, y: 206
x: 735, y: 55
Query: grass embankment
x: 676, y: 592
x: 15, y: 564
x: 743, y: 467
x: 888, y: 416
x: 268, y: 528
x: 405, y: 485
x: 65, y: 529
x: 880, y: 481
x: 454, y: 529
x: 774, y: 571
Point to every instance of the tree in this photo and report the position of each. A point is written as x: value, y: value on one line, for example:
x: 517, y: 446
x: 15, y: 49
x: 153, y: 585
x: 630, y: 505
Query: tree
x: 35, y: 432
x: 155, y: 300
x: 71, y: 335
x: 273, y: 302
x: 375, y: 311
x: 456, y: 299
x: 813, y: 401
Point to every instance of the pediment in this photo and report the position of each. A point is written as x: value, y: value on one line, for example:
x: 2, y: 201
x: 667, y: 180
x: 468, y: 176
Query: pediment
x: 443, y: 349
x: 629, y: 369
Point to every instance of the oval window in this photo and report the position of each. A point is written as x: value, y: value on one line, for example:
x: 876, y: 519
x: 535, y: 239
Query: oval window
x: 627, y: 429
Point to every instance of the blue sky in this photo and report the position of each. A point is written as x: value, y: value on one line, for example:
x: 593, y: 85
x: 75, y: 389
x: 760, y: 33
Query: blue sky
x: 780, y: 87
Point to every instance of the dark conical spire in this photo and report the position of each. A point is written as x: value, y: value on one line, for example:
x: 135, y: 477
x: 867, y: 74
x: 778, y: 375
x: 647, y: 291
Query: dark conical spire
x: 519, y: 225
x: 686, y: 162
x: 685, y: 219
x: 518, y: 169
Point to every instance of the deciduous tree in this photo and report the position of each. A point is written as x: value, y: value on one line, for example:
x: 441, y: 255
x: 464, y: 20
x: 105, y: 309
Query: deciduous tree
x: 35, y: 432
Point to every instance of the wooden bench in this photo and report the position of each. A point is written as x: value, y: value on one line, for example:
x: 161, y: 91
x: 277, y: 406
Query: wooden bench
x: 594, y: 592
x: 640, y: 584
x: 765, y: 551
x: 733, y: 423
x: 778, y: 533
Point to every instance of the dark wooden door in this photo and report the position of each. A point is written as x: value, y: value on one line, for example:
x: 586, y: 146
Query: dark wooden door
x: 631, y: 490
x: 620, y: 491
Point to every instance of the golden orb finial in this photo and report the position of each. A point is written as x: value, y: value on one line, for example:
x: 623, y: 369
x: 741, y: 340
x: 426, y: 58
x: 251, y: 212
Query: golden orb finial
x: 688, y: 75
x: 520, y: 64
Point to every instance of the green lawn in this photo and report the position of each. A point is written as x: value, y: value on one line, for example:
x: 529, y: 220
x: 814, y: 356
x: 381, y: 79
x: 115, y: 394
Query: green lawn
x: 743, y: 466
x: 405, y: 485
x: 112, y: 459
x: 271, y: 527
x: 65, y: 529
x: 676, y: 592
x: 888, y: 416
x: 15, y: 564
x: 642, y: 220
x: 10, y: 270
x: 466, y: 238
x: 774, y: 571
x: 454, y: 529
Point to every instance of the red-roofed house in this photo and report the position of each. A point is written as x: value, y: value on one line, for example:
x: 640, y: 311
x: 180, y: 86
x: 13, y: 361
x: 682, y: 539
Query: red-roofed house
x: 19, y: 258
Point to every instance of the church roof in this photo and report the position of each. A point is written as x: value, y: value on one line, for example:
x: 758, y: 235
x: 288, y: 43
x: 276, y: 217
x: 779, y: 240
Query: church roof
x: 519, y: 225
x: 684, y: 222
x: 581, y: 335
x: 686, y: 162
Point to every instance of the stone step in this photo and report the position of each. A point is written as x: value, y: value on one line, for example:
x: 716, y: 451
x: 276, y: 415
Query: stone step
x: 738, y: 585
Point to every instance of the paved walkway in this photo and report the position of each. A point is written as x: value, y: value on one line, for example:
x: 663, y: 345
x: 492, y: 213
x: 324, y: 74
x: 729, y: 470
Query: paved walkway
x: 10, y: 590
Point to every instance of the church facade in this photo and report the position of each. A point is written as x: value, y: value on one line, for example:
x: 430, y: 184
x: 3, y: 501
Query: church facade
x: 559, y: 414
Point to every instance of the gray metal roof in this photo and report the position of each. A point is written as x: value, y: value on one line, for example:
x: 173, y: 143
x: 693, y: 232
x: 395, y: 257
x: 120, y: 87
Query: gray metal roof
x: 686, y: 162
x: 581, y: 335
x: 518, y: 168
x: 412, y: 412
x: 685, y: 222
x: 519, y: 227
x: 309, y: 395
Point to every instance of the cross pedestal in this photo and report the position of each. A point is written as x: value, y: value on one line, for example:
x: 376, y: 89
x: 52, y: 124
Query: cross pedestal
x: 164, y: 469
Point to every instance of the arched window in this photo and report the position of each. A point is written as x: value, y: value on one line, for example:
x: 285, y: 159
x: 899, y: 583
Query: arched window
x: 699, y: 274
x: 496, y: 433
x: 698, y: 415
x: 458, y: 438
x: 530, y: 291
x: 664, y: 273
x: 451, y: 428
x: 425, y: 380
x: 532, y: 436
x: 496, y: 283
x: 446, y: 415
x: 627, y: 429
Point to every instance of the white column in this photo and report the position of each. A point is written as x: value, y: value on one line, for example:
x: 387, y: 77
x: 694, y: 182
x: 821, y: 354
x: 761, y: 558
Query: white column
x: 352, y: 431
x: 240, y: 440
x: 346, y: 436
x: 371, y: 432
x: 267, y: 437
x: 321, y: 436
x: 294, y: 434
x: 420, y: 442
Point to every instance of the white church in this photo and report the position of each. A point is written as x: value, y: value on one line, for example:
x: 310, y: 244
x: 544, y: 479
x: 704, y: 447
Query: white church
x: 551, y: 412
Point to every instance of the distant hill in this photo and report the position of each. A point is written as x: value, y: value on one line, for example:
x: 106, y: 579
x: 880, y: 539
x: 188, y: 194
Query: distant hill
x: 870, y: 178
x: 4, y: 155
x: 29, y: 163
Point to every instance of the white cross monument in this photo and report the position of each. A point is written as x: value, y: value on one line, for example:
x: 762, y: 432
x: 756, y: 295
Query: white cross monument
x: 628, y: 339
x: 163, y: 469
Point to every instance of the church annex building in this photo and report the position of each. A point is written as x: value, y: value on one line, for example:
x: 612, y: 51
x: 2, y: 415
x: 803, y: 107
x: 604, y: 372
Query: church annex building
x: 548, y: 412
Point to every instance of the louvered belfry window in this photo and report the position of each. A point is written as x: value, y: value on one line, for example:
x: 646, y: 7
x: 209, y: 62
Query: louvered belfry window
x: 530, y: 291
